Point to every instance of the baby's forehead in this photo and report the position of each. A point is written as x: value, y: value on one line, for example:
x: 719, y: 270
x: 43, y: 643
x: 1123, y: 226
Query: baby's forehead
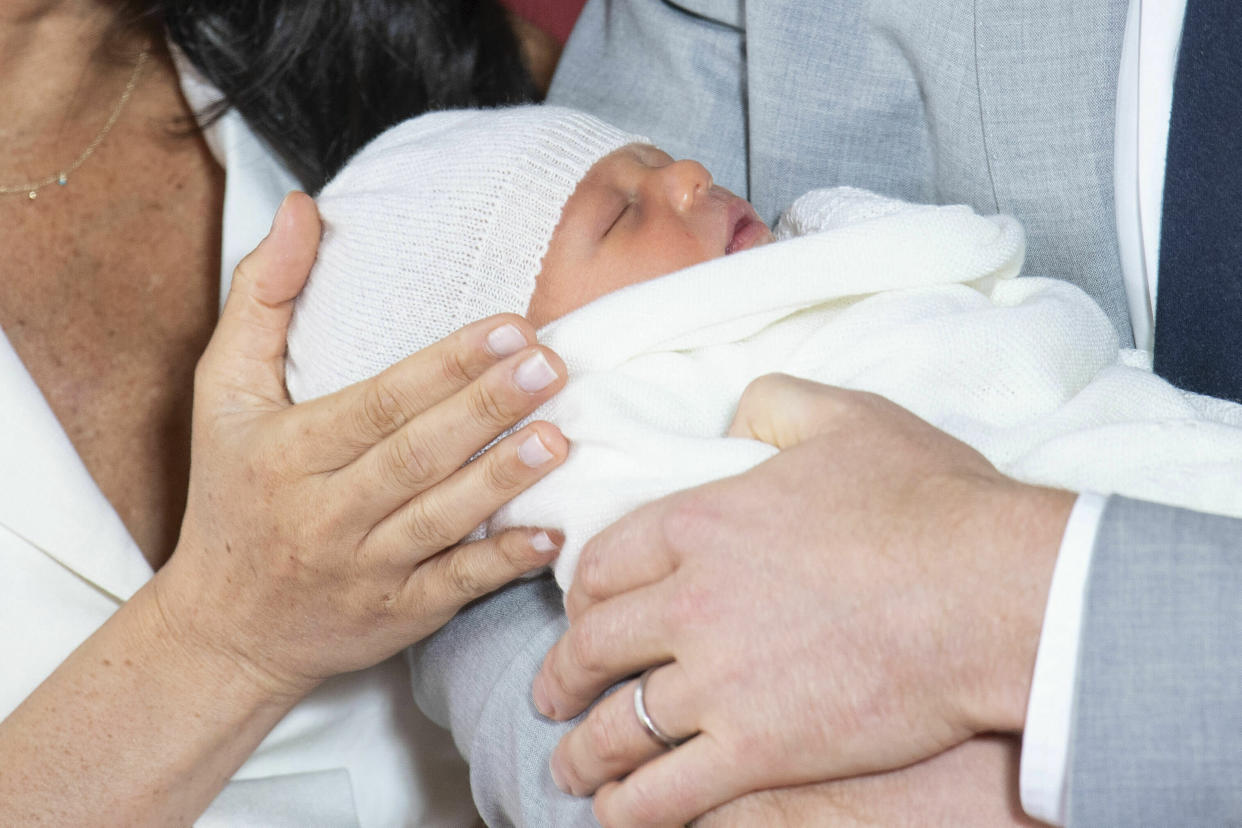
x: 638, y: 152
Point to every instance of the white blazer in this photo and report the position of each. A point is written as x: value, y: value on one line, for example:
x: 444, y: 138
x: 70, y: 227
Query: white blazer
x: 356, y: 751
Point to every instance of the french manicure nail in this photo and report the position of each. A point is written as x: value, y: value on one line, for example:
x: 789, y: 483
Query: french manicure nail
x: 534, y: 374
x: 505, y: 340
x: 543, y: 543
x: 534, y: 453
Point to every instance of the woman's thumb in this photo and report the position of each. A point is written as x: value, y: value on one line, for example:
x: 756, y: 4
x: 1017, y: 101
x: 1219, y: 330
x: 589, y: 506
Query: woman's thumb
x: 245, y: 359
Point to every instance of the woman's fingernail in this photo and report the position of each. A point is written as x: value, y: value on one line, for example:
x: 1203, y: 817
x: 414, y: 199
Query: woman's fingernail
x: 544, y: 544
x: 534, y: 374
x: 540, y: 697
x: 558, y: 775
x: 505, y: 340
x: 533, y: 452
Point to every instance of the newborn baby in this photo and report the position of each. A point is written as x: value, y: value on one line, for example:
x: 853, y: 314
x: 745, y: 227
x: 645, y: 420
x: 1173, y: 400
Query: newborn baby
x: 454, y: 216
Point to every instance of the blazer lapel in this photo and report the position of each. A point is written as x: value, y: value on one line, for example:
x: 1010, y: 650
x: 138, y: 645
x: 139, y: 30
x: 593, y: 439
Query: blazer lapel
x: 1048, y: 87
x: 48, y: 498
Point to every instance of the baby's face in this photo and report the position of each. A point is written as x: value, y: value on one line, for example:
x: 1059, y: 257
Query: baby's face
x: 638, y: 214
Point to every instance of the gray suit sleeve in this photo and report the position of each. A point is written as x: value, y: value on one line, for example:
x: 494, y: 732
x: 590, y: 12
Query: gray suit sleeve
x: 1157, y: 736
x: 474, y: 678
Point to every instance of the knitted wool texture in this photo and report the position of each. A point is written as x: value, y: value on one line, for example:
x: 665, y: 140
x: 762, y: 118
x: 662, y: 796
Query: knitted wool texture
x: 440, y: 221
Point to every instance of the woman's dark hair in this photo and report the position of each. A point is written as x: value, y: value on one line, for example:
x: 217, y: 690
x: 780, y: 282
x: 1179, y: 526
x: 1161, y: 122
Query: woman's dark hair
x: 317, y: 79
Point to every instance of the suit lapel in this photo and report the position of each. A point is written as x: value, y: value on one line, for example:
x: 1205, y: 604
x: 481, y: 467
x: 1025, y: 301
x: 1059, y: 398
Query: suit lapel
x: 48, y: 498
x: 1047, y: 77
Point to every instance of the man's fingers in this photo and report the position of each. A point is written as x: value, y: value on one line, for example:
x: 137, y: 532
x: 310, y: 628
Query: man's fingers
x: 426, y: 450
x: 784, y: 411
x: 632, y: 553
x: 608, y: 642
x: 672, y: 790
x: 612, y: 742
x: 245, y: 360
x: 463, y: 573
x: 442, y: 516
x: 349, y: 422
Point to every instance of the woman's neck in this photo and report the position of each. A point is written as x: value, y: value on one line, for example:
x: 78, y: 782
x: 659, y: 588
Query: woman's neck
x: 57, y: 73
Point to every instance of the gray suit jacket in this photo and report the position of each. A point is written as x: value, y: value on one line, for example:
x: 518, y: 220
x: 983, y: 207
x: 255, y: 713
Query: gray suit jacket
x: 1006, y: 105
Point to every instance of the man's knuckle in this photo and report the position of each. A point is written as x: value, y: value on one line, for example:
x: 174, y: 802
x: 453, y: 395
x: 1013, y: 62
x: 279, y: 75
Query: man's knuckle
x: 584, y: 645
x: 689, y: 607
x: 554, y: 673
x: 686, y: 525
x: 642, y: 807
x: 588, y: 574
x: 605, y: 736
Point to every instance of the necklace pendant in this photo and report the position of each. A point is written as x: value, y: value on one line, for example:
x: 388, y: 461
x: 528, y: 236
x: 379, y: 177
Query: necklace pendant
x: 62, y: 180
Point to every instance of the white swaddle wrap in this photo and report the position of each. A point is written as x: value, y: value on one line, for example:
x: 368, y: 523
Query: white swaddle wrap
x: 916, y: 303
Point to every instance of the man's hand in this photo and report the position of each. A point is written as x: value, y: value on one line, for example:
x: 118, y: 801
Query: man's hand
x: 869, y: 597
x: 974, y: 785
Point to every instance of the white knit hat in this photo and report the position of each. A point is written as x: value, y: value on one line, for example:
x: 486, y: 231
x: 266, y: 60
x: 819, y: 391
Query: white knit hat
x: 438, y: 222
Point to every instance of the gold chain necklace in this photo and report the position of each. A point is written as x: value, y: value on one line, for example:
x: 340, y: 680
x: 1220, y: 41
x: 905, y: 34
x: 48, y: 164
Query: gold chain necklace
x: 31, y: 188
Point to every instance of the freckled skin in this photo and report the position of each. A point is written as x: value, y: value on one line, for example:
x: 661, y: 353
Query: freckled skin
x: 109, y: 291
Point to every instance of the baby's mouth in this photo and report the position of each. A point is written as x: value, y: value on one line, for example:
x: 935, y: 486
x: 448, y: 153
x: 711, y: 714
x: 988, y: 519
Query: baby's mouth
x: 747, y: 230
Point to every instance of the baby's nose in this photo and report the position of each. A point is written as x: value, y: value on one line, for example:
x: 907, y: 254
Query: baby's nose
x: 684, y: 182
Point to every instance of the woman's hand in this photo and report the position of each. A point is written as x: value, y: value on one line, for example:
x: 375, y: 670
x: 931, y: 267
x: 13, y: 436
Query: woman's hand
x: 321, y: 538
x: 869, y: 597
x: 318, y: 538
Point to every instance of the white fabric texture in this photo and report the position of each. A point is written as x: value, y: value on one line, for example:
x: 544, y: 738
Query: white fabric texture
x: 440, y: 221
x: 916, y: 303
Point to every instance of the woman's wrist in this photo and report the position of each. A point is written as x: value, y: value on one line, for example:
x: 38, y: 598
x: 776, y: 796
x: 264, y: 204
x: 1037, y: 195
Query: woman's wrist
x: 161, y: 722
x: 208, y: 634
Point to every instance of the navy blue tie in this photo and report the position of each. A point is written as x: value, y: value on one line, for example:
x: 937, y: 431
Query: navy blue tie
x: 1199, y: 296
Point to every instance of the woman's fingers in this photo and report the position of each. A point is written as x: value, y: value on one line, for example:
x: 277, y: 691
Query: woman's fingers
x: 443, y: 515
x: 244, y: 364
x: 429, y: 448
x: 345, y: 425
x: 606, y: 643
x: 611, y: 742
x: 463, y: 573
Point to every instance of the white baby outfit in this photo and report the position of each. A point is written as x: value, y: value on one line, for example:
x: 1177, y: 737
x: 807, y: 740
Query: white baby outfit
x: 917, y: 303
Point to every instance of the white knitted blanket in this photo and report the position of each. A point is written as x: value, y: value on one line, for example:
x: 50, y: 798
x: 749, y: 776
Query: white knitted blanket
x: 916, y: 303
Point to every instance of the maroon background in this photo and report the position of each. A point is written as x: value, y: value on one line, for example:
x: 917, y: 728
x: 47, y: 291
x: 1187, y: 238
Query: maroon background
x: 556, y: 17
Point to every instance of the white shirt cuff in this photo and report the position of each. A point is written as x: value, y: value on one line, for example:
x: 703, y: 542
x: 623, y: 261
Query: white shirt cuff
x: 1046, y: 740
